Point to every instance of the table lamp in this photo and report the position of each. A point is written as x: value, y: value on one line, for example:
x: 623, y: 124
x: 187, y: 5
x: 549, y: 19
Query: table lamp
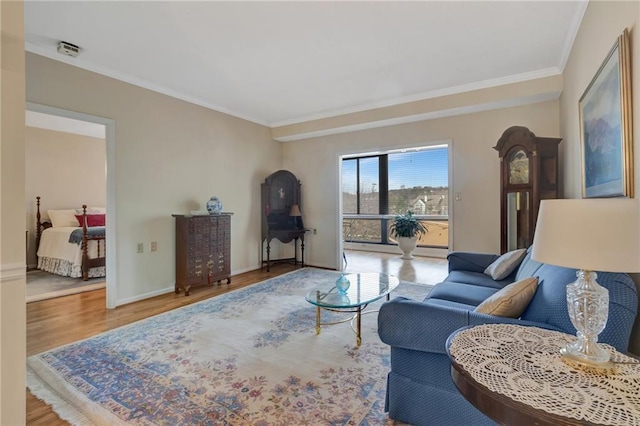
x: 295, y: 211
x: 295, y: 215
x: 588, y: 235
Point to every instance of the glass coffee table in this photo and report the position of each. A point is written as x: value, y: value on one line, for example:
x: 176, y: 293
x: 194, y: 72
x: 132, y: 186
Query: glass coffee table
x: 351, y: 293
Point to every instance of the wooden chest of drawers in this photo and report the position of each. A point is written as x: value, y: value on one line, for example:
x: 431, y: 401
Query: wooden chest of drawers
x: 203, y: 250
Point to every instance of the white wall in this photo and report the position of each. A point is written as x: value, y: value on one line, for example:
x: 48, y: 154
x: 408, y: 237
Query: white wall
x: 476, y: 217
x: 603, y: 22
x: 12, y: 245
x: 171, y: 157
x: 66, y: 170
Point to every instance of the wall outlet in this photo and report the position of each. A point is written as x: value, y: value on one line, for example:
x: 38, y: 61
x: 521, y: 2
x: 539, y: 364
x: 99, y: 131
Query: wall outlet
x: 140, y: 247
x: 154, y: 246
x: 315, y: 231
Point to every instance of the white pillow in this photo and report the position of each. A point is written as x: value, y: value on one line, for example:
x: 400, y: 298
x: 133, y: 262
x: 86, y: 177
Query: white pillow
x: 505, y: 264
x: 60, y: 218
x: 511, y: 301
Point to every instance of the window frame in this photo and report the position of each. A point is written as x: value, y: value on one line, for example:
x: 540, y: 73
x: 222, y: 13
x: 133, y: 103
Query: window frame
x: 383, y: 199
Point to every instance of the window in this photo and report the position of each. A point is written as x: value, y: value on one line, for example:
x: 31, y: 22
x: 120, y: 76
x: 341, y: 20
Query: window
x: 376, y: 188
x: 360, y: 185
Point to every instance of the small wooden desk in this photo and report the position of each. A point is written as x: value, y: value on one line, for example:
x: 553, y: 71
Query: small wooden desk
x: 516, y: 376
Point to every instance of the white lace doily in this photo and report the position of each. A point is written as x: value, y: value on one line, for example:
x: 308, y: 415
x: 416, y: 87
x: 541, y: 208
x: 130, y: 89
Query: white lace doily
x: 524, y: 364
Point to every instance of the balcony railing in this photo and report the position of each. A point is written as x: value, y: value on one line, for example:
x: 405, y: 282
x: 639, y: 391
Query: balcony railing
x: 374, y: 229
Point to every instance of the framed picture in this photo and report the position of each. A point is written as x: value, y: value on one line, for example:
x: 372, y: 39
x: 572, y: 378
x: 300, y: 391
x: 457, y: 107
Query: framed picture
x: 605, y: 127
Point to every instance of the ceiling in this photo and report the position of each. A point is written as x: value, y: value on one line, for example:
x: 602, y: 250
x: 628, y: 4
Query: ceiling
x: 279, y: 63
x: 64, y: 124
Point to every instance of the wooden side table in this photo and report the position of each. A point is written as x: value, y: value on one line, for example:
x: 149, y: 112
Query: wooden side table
x: 516, y: 376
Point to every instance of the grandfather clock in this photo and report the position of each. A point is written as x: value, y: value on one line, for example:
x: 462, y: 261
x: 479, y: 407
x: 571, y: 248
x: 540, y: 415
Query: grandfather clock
x: 281, y: 215
x: 528, y: 175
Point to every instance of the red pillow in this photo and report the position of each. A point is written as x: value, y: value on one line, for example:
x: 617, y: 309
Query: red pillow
x: 93, y: 219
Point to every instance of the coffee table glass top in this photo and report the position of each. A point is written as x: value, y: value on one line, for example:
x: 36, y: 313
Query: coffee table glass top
x: 364, y: 288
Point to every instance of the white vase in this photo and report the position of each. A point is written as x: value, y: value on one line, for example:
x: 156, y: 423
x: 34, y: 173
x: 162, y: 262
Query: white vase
x: 407, y: 245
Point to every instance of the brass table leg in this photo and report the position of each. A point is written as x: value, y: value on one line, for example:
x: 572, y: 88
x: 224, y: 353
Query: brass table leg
x: 359, y: 336
x: 318, y: 316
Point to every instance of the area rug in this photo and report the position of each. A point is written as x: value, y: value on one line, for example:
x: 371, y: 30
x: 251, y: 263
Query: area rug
x: 43, y: 285
x: 248, y: 357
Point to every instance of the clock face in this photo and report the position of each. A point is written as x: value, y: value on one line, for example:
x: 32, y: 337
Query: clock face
x: 519, y: 168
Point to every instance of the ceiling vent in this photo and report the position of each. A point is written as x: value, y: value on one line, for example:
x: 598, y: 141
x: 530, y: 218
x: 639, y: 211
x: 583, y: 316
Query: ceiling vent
x: 68, y: 49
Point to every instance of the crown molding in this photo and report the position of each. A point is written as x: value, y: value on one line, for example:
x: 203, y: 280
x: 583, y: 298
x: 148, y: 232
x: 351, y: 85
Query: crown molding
x: 547, y: 72
x: 78, y: 62
x: 485, y: 84
x: 544, y: 97
x: 572, y: 34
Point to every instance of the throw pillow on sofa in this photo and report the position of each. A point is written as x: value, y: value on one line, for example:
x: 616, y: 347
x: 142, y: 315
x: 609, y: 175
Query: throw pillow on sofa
x: 511, y: 301
x: 505, y: 264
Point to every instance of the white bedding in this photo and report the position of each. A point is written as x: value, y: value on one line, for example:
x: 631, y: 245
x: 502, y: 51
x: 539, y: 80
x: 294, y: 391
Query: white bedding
x: 57, y: 255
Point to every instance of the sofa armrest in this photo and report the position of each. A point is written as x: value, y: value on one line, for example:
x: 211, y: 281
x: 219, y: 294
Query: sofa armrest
x: 425, y: 327
x: 468, y: 261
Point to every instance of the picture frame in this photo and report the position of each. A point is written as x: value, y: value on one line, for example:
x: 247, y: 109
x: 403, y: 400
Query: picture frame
x: 605, y: 127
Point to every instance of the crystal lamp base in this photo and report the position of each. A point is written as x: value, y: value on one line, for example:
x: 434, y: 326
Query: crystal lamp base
x: 588, y: 305
x: 573, y: 352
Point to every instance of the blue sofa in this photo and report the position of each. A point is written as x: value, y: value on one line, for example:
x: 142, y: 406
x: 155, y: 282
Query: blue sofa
x: 419, y: 386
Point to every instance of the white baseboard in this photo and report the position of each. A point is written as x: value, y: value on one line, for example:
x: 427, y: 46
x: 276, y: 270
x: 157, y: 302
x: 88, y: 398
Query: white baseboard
x: 172, y: 287
x: 243, y: 270
x: 139, y: 297
x: 13, y: 271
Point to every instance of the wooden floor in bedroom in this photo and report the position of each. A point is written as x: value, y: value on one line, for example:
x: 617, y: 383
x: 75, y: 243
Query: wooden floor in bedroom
x: 56, y: 322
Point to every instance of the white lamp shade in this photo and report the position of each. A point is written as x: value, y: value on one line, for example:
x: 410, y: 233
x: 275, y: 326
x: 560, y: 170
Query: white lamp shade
x: 591, y: 234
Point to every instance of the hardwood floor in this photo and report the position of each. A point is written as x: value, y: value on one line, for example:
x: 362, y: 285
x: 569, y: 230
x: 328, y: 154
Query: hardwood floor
x: 56, y: 322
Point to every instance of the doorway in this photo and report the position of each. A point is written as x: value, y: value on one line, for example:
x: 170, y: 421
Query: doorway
x: 108, y: 128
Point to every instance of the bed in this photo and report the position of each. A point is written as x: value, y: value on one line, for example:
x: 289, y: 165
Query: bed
x: 72, y: 242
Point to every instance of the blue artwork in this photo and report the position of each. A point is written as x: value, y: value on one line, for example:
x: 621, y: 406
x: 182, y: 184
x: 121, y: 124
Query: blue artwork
x: 603, y: 144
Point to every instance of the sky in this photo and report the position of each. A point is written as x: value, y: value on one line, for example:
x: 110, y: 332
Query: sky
x: 427, y: 167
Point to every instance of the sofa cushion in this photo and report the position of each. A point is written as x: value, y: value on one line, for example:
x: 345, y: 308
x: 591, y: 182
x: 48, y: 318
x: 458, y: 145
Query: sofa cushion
x: 528, y: 268
x: 449, y: 304
x: 511, y: 301
x: 467, y: 294
x: 476, y: 278
x: 549, y: 304
x: 503, y: 266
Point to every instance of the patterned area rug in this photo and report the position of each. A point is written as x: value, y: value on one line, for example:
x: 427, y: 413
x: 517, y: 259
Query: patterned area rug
x: 43, y: 285
x: 248, y: 357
